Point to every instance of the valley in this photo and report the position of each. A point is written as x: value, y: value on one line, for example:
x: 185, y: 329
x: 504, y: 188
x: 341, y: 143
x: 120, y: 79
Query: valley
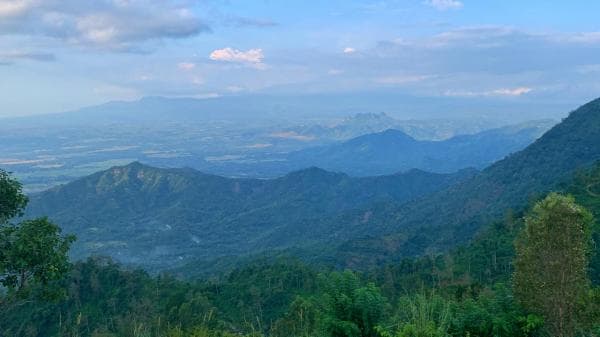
x: 55, y: 149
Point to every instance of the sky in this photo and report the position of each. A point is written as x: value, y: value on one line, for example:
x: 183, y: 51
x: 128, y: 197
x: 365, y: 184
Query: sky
x: 59, y: 55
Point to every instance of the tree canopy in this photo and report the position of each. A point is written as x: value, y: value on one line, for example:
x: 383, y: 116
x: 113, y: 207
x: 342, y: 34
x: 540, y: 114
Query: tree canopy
x: 32, y: 250
x: 551, y: 276
x: 12, y: 199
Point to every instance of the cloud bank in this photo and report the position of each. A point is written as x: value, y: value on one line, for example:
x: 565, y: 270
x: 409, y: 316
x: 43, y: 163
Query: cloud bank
x: 7, y: 57
x: 115, y: 25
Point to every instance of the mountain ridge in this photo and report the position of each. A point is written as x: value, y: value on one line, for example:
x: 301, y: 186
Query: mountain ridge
x: 394, y: 150
x: 166, y: 214
x: 454, y: 214
x: 172, y: 215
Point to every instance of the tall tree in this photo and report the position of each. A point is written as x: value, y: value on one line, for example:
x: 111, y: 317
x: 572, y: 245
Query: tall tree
x: 12, y: 199
x: 32, y: 250
x: 551, y: 262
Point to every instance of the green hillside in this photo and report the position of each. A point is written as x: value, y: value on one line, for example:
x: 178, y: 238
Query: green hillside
x: 283, y: 297
x: 160, y: 217
x: 455, y: 214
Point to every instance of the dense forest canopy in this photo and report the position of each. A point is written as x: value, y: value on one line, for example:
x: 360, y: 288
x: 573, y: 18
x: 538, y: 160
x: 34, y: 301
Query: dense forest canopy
x: 468, y: 291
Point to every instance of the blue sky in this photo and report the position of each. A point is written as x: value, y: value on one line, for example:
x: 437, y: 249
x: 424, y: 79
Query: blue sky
x: 58, y: 55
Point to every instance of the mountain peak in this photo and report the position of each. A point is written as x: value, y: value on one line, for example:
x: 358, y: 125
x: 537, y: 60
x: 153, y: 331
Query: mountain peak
x: 133, y: 167
x: 591, y: 108
x: 135, y: 164
x: 313, y: 172
x: 389, y: 136
x: 395, y: 132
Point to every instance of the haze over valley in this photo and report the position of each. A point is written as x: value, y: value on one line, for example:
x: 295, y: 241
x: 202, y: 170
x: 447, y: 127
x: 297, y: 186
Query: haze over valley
x: 47, y: 150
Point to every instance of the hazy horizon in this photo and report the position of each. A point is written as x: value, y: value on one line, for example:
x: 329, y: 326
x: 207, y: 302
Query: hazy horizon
x: 64, y: 55
x: 341, y: 105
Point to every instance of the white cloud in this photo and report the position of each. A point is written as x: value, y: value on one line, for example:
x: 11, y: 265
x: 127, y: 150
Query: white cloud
x: 507, y: 92
x: 10, y: 8
x: 443, y: 5
x: 121, y: 25
x: 252, y: 57
x: 186, y: 66
x: 349, y: 50
x: 206, y: 95
x: 488, y: 50
x: 511, y: 92
x: 97, y: 28
x: 234, y: 55
x: 403, y: 79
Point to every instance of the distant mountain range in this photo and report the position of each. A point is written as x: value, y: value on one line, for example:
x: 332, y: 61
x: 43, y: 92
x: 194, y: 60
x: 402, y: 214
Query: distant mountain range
x: 217, y: 136
x: 286, y: 107
x: 161, y: 217
x: 423, y: 129
x: 393, y: 151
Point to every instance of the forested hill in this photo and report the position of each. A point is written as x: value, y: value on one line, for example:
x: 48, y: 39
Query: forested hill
x: 453, y: 215
x: 159, y: 217
x: 470, y: 287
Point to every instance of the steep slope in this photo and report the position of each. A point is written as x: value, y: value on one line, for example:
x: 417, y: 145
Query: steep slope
x: 453, y: 215
x: 158, y: 217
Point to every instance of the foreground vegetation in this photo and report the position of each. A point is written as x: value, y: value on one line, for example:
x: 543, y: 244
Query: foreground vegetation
x: 546, y: 286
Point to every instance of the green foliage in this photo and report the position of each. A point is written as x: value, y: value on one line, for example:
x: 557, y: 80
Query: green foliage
x: 12, y: 199
x: 349, y: 309
x: 492, y: 313
x: 127, y: 211
x: 286, y: 298
x: 300, y: 320
x: 455, y: 214
x: 551, y: 265
x: 586, y: 190
x: 32, y: 251
x: 585, y: 187
x: 422, y: 316
x: 258, y: 294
